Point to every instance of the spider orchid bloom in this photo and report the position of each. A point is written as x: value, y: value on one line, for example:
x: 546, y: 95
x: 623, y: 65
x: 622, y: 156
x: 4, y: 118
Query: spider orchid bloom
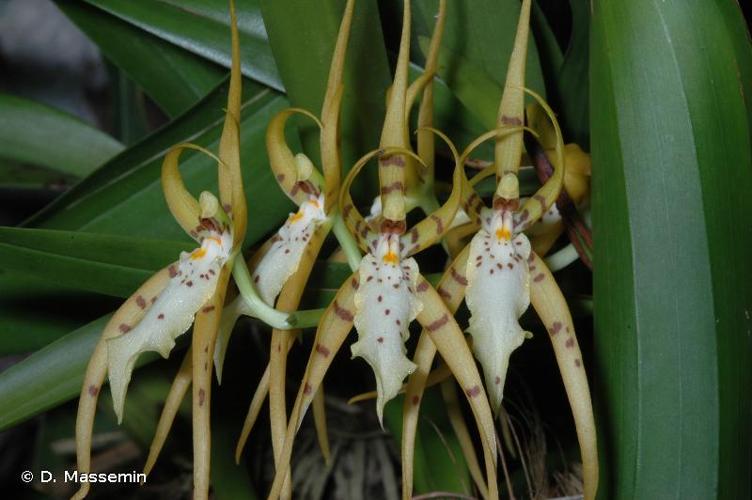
x: 387, y: 292
x: 282, y: 266
x: 499, y: 259
x: 188, y: 292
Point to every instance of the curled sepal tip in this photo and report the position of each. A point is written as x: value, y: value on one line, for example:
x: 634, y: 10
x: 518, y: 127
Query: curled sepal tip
x: 385, y: 305
x: 193, y: 280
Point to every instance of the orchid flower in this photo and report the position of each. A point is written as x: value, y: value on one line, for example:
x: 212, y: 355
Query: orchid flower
x: 499, y: 276
x: 190, y: 291
x: 283, y: 265
x: 387, y: 292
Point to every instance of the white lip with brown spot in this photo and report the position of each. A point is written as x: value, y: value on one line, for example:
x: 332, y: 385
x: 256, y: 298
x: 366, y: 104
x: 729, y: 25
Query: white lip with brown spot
x: 498, y: 293
x: 285, y: 254
x: 385, y: 305
x: 193, y: 281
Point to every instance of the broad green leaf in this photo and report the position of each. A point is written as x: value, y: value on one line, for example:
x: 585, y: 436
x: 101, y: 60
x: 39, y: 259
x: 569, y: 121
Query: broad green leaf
x: 35, y: 312
x: 111, y: 265
x: 34, y: 133
x: 672, y: 173
x: 130, y: 110
x: 175, y: 78
x: 48, y: 377
x: 203, y: 27
x: 125, y: 196
x: 303, y: 45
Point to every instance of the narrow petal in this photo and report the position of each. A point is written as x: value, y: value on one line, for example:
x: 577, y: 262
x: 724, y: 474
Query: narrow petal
x: 385, y: 305
x: 230, y: 178
x: 451, y: 344
x: 330, y: 111
x: 129, y: 313
x: 451, y: 288
x: 286, y: 252
x: 178, y: 389
x: 333, y: 328
x: 202, y: 343
x: 254, y: 409
x: 497, y: 295
x: 457, y: 420
x: 550, y: 305
x: 193, y: 280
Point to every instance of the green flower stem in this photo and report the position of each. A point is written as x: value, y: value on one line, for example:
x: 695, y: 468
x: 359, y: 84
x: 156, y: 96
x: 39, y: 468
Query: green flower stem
x: 308, y: 318
x: 346, y: 241
x: 252, y: 303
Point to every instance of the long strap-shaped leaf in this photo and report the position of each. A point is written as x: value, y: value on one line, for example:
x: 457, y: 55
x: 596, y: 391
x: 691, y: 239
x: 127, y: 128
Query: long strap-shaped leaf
x: 128, y: 314
x: 553, y: 311
x: 334, y: 326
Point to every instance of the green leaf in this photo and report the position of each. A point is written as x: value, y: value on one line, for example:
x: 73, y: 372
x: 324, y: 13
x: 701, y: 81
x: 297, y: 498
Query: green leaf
x: 672, y: 173
x: 111, y: 265
x: 303, y: 45
x: 125, y: 196
x: 34, y: 133
x: 175, y: 78
x: 572, y: 82
x: 48, y: 377
x: 203, y: 27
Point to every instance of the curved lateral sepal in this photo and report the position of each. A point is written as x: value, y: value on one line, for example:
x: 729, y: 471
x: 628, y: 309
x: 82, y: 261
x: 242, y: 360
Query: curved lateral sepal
x: 282, y: 160
x: 431, y: 229
x: 129, y: 313
x: 205, y: 331
x: 352, y: 217
x: 450, y: 342
x: 538, y: 204
x: 179, y: 387
x: 553, y: 311
x: 334, y: 326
